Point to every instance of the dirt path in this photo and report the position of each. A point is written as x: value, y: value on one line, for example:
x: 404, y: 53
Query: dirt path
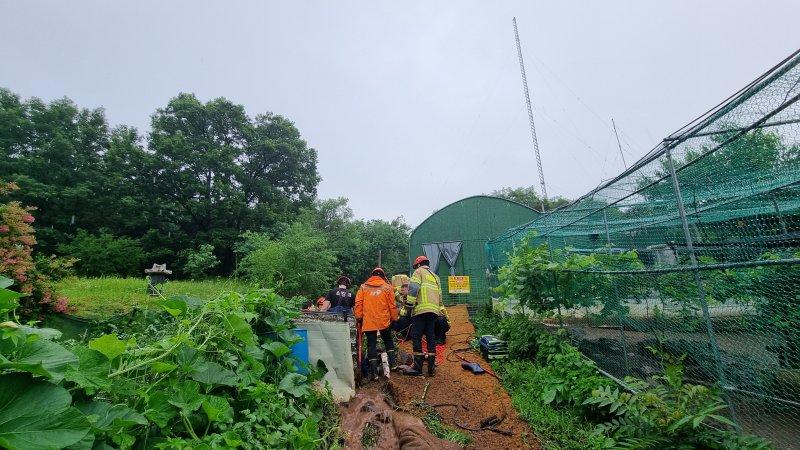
x: 476, y: 396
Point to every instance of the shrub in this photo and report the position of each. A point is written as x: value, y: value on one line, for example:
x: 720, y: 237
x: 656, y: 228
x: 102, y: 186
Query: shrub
x: 666, y: 413
x: 104, y: 254
x: 199, y: 262
x: 299, y: 263
x: 17, y: 239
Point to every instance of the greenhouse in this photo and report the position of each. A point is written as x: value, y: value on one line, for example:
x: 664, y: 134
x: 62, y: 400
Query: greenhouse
x: 455, y: 237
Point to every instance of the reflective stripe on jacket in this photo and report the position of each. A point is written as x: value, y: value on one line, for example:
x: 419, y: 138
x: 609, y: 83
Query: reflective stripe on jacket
x: 375, y: 304
x: 424, y: 291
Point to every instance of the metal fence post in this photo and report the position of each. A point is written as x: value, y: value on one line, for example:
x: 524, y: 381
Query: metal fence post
x: 700, y: 289
x: 619, y: 301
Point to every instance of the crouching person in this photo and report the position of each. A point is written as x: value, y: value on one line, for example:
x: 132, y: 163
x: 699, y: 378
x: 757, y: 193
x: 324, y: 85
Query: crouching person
x: 442, y: 326
x: 376, y: 311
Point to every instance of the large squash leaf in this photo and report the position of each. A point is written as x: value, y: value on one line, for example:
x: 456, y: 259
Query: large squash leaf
x: 215, y: 374
x: 111, y: 418
x: 41, y: 357
x: 91, y: 372
x: 108, y: 345
x: 36, y: 414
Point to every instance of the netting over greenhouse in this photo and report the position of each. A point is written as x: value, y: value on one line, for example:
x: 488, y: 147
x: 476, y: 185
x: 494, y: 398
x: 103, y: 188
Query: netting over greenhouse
x: 694, y: 250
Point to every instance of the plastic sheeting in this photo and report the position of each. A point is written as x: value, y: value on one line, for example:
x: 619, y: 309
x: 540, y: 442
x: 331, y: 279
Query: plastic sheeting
x: 330, y: 342
x: 450, y: 250
x: 432, y: 252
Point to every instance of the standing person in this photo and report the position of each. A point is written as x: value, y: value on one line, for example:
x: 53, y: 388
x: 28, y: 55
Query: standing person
x: 376, y: 311
x: 425, y: 297
x: 339, y: 299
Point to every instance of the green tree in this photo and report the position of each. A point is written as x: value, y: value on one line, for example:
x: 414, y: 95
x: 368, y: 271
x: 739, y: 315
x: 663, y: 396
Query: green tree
x: 528, y: 197
x: 219, y: 173
x: 53, y: 151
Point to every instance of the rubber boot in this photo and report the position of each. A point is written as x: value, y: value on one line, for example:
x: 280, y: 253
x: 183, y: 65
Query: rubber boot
x: 392, y: 360
x: 373, y: 369
x: 431, y: 365
x: 417, y: 370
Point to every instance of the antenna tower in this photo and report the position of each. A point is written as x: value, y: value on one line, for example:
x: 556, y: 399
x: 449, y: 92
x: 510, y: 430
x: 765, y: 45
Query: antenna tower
x: 530, y: 116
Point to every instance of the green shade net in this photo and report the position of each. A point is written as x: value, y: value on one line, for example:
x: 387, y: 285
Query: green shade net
x: 713, y: 216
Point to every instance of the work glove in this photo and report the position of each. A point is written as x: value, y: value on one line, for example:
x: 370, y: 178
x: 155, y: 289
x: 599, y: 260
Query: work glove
x: 403, y: 311
x: 359, y: 321
x: 393, y: 325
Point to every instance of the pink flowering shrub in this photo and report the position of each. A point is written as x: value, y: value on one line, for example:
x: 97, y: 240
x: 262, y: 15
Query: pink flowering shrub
x: 16, y: 261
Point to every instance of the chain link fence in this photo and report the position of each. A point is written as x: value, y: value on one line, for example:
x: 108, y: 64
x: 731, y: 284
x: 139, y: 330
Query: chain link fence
x: 694, y: 250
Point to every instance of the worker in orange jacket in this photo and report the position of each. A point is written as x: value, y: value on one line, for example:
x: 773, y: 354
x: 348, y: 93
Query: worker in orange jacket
x: 376, y: 311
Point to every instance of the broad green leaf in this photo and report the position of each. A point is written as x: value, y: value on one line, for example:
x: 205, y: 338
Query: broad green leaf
x: 190, y: 360
x: 91, y: 372
x: 218, y: 409
x: 36, y: 414
x: 176, y: 307
x: 108, y: 345
x: 548, y: 396
x: 289, y: 337
x: 44, y: 333
x: 278, y: 349
x: 187, y: 397
x: 5, y: 282
x: 42, y: 357
x: 161, y: 367
x: 159, y: 409
x: 294, y: 384
x: 239, y: 328
x: 232, y: 439
x: 108, y: 417
x: 87, y: 443
x: 215, y: 374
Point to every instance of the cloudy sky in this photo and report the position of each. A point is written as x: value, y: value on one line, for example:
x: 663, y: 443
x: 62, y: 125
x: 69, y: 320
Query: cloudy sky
x: 411, y: 105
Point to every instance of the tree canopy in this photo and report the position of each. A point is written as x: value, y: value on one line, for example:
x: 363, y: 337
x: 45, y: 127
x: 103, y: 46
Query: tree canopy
x: 194, y: 189
x: 528, y: 197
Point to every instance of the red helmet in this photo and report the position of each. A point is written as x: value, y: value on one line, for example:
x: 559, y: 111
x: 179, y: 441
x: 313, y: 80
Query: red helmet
x: 421, y: 259
x: 343, y: 280
x: 378, y: 272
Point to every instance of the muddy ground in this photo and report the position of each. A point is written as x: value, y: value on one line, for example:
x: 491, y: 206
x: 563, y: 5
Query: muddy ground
x: 459, y: 397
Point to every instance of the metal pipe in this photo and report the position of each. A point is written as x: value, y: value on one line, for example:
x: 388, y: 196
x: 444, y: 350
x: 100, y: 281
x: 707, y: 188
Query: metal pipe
x: 618, y: 300
x: 700, y: 289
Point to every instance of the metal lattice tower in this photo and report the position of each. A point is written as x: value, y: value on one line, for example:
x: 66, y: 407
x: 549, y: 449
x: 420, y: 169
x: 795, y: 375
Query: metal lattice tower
x: 530, y: 116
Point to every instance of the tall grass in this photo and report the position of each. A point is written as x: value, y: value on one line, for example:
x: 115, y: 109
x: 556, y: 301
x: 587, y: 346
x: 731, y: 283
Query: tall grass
x: 99, y: 298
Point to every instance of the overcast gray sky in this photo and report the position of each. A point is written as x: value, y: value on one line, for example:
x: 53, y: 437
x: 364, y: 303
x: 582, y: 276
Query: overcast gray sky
x: 411, y: 105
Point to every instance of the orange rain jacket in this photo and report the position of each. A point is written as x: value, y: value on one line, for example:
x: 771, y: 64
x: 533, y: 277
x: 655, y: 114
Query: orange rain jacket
x: 375, y: 304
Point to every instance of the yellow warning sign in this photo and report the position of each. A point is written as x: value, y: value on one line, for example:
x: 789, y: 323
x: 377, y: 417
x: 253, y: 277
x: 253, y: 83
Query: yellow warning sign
x: 458, y: 284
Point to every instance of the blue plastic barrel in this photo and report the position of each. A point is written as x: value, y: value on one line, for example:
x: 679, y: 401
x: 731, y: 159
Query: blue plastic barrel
x: 300, y: 350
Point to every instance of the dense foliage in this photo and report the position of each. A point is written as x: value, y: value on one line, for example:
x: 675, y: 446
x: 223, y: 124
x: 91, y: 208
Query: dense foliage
x: 29, y: 275
x: 571, y: 406
x: 200, y: 379
x: 544, y: 279
x: 206, y: 173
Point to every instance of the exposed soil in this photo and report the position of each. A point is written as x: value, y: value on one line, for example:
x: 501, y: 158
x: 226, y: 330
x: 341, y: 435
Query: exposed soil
x: 370, y: 423
x: 474, y: 397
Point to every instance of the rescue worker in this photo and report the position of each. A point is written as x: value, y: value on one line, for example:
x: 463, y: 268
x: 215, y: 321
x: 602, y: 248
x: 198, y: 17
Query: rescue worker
x: 404, y: 322
x: 339, y: 299
x: 376, y: 312
x: 442, y: 326
x: 425, y: 297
